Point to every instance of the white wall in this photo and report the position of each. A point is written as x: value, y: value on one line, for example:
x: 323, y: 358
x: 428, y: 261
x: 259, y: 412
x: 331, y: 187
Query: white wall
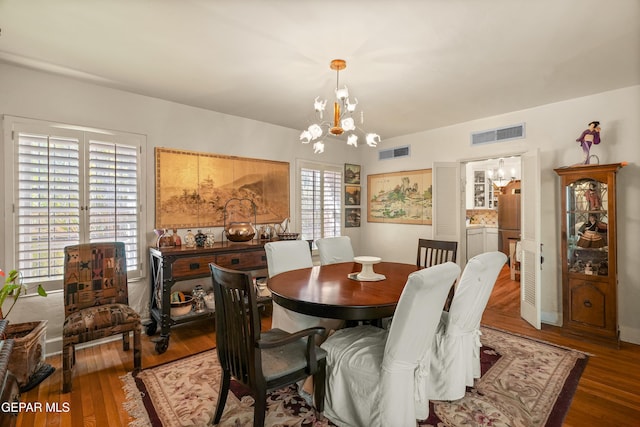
x: 26, y: 93
x: 552, y: 129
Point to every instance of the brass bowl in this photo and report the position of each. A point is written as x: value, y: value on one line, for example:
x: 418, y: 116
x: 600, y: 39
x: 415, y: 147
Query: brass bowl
x: 240, y: 232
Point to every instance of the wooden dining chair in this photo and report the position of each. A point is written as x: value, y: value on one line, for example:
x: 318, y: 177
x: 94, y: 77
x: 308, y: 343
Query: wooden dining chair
x: 434, y: 252
x: 263, y: 361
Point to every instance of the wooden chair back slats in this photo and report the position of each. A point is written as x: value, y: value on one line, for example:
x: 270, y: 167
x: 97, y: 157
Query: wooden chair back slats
x: 434, y: 252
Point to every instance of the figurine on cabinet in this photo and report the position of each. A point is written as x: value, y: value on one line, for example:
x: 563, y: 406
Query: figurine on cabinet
x: 593, y: 197
x: 592, y: 234
x: 588, y: 137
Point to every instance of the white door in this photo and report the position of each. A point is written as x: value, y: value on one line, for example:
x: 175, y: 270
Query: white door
x: 446, y: 202
x: 530, y: 261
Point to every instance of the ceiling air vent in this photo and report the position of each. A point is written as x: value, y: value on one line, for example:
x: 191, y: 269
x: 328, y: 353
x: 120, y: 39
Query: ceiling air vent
x: 394, y: 153
x: 498, y: 135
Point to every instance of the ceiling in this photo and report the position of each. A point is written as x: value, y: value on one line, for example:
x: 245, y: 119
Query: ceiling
x: 412, y: 65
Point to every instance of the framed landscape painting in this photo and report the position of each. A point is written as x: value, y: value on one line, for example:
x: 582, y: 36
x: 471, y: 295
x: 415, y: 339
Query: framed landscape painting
x: 351, y: 217
x: 351, y: 174
x: 400, y: 197
x: 192, y: 188
x: 352, y: 195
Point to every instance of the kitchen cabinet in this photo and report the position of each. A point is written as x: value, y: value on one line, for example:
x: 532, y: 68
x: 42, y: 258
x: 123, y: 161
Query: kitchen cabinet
x: 481, y: 239
x: 491, y: 239
x: 588, y: 250
x: 482, y: 191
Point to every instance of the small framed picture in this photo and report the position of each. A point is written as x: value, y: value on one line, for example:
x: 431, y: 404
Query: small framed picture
x: 352, y: 195
x: 352, y: 217
x: 351, y: 174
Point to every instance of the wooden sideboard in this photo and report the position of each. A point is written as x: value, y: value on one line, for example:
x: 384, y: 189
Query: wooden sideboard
x: 173, y: 264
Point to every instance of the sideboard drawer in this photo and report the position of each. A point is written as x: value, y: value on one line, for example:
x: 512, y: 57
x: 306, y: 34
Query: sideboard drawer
x: 192, y: 266
x: 248, y: 260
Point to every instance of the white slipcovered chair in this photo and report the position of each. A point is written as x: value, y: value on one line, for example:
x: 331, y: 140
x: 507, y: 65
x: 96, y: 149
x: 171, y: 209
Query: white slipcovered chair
x: 287, y: 255
x: 372, y: 375
x: 335, y: 249
x: 455, y: 354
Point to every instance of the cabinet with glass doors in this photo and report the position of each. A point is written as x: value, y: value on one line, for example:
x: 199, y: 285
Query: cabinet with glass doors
x: 588, y: 250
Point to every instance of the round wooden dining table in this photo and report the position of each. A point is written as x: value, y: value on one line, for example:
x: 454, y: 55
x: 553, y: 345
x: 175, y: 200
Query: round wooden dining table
x: 327, y: 291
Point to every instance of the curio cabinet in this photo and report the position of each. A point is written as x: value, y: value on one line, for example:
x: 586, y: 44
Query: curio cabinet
x: 588, y: 250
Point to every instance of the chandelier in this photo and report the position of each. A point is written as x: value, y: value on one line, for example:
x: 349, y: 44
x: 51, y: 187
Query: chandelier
x: 343, y: 121
x: 497, y: 176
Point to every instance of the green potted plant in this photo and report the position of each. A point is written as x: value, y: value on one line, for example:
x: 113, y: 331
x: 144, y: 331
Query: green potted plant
x: 14, y: 287
x: 26, y: 362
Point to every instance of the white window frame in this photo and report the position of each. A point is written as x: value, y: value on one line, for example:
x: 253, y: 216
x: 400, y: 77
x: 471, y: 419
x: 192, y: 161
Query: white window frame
x: 12, y: 126
x: 322, y: 167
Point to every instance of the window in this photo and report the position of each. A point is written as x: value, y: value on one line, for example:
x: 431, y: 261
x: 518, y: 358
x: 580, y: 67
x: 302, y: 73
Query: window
x: 320, y: 200
x: 70, y: 186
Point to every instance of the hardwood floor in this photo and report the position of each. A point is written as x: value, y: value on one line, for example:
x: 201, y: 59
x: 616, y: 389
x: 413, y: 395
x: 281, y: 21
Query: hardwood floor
x: 608, y: 393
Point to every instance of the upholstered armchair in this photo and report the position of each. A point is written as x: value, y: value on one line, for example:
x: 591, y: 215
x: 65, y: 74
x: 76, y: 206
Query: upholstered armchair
x: 96, y: 301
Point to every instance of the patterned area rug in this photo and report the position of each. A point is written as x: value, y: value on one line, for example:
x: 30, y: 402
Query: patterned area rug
x: 524, y: 383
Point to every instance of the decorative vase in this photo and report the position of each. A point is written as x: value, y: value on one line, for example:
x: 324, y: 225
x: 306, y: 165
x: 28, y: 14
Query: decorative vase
x: 201, y: 238
x: 211, y: 239
x: 190, y: 240
x: 177, y: 241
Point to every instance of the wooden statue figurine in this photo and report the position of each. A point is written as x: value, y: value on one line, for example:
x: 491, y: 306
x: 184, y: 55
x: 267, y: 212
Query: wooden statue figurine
x: 588, y: 137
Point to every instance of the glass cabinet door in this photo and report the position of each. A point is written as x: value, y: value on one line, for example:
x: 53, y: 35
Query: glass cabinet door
x: 587, y: 226
x: 479, y: 189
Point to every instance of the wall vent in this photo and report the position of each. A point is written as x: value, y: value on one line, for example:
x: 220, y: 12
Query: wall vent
x: 498, y: 135
x: 394, y: 153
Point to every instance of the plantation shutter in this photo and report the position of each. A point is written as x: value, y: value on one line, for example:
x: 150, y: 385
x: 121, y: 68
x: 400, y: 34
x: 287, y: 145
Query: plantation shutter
x: 113, y: 195
x: 332, y: 206
x: 320, y: 201
x: 72, y: 186
x: 48, y: 206
x: 310, y: 206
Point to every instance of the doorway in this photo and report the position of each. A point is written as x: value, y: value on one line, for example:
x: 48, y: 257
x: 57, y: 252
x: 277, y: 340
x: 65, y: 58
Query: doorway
x: 492, y: 209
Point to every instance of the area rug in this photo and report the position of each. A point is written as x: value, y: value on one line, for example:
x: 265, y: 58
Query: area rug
x: 524, y: 383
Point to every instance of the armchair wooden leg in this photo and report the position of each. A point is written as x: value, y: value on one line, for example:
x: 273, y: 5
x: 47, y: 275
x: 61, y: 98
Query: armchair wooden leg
x: 68, y: 357
x: 125, y: 341
x: 137, y: 349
